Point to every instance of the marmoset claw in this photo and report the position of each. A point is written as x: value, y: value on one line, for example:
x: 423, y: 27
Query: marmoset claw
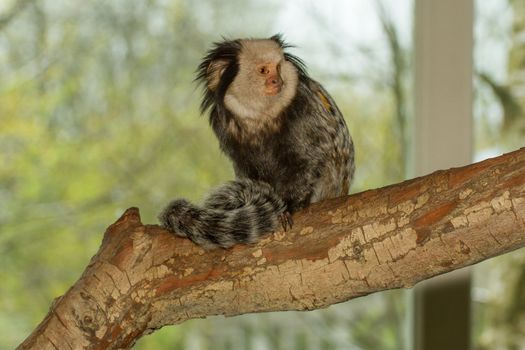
x: 286, y: 220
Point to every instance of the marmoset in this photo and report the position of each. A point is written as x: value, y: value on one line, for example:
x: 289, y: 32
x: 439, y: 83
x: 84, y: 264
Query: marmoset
x: 284, y: 134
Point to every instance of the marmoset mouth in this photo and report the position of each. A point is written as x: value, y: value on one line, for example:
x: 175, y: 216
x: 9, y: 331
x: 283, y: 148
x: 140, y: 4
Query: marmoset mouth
x: 273, y: 90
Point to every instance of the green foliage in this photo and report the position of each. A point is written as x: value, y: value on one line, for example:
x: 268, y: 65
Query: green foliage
x: 98, y: 112
x: 499, y: 288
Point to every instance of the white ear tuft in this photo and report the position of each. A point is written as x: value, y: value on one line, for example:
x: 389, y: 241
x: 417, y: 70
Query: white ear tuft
x: 214, y: 73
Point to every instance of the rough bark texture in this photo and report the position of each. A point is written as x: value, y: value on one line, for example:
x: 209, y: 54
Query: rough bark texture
x: 144, y: 278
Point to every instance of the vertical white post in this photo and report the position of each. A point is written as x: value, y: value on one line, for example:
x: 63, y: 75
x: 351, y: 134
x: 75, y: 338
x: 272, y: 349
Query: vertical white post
x: 443, y: 41
x: 443, y: 84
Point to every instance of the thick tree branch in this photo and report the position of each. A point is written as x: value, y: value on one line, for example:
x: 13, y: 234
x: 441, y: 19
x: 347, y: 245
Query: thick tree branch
x: 144, y: 278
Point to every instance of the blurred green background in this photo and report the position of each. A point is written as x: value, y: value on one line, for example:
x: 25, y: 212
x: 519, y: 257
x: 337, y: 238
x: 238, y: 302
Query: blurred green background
x: 99, y: 112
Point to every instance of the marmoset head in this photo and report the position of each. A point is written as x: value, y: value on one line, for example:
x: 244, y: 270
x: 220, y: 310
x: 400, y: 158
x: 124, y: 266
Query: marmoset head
x: 252, y: 78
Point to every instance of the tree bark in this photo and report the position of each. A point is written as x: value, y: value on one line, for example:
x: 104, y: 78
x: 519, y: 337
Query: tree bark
x: 144, y: 278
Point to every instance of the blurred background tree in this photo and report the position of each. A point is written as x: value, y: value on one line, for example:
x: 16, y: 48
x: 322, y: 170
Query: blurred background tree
x: 99, y: 112
x: 499, y: 57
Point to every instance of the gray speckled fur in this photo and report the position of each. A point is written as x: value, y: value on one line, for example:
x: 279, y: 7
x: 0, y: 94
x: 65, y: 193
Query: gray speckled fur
x: 287, y: 150
x: 237, y: 212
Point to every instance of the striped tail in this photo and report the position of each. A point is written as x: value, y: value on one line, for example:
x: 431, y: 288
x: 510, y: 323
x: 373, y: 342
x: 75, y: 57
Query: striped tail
x: 240, y: 211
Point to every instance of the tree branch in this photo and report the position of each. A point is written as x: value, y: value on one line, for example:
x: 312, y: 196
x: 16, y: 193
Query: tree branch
x: 144, y: 278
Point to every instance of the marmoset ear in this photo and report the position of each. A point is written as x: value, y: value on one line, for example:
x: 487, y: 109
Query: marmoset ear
x: 214, y: 73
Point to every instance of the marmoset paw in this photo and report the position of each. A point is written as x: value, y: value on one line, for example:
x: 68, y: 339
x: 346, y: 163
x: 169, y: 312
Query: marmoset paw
x: 286, y: 220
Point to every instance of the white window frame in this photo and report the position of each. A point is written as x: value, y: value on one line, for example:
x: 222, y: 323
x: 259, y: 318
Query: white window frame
x: 443, y: 138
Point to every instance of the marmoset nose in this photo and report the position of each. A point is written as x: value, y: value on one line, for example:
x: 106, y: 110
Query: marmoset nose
x: 274, y: 81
